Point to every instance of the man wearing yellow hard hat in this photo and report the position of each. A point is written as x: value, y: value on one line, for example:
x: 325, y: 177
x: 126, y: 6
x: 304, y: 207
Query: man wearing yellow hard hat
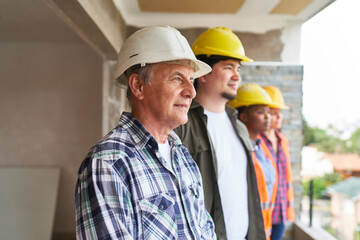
x: 252, y: 103
x: 277, y: 143
x: 220, y: 143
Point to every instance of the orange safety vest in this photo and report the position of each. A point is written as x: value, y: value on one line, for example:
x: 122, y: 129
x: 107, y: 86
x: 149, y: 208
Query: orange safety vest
x: 267, y: 205
x: 290, y: 212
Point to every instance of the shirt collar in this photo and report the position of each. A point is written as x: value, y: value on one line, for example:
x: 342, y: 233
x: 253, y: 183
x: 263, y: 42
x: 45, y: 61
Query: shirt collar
x: 263, y: 135
x: 140, y: 135
x: 257, y: 142
x: 174, y: 138
x: 278, y: 135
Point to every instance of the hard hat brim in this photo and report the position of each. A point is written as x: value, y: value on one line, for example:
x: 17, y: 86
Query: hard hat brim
x: 279, y: 106
x: 201, y: 69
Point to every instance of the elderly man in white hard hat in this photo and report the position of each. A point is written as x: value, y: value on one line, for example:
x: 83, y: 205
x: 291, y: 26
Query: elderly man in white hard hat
x: 140, y: 182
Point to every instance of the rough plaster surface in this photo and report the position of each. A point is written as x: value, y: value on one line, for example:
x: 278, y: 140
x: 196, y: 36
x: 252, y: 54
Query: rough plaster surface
x: 50, y: 103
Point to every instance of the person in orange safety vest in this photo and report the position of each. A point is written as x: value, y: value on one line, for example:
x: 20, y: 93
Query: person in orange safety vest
x: 278, y: 145
x: 252, y: 103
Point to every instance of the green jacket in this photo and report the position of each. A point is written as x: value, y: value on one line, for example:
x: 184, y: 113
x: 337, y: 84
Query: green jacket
x: 195, y: 137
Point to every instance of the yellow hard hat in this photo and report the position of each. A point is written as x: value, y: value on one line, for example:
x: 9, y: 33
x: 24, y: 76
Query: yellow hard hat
x: 220, y: 41
x: 250, y: 94
x: 276, y: 97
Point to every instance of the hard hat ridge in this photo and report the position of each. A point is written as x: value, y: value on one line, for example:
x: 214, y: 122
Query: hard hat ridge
x: 220, y: 41
x: 276, y: 97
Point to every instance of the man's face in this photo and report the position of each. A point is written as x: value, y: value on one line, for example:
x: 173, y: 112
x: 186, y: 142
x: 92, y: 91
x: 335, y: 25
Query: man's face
x: 168, y: 96
x: 276, y: 118
x: 224, y: 79
x: 257, y: 118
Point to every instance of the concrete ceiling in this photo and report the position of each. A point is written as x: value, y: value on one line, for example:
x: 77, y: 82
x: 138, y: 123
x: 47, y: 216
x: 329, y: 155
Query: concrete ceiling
x: 256, y: 16
x: 103, y: 24
x: 32, y: 21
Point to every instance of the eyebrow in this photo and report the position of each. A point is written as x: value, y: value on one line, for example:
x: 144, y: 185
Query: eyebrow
x: 233, y: 65
x: 181, y: 75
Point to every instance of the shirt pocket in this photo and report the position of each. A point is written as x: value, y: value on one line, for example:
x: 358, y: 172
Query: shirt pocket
x: 158, y: 217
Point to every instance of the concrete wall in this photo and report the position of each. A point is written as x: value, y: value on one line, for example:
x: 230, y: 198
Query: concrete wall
x: 51, y: 113
x: 114, y: 98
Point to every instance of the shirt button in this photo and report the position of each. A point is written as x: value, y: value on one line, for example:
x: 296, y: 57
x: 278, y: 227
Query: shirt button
x: 208, y: 225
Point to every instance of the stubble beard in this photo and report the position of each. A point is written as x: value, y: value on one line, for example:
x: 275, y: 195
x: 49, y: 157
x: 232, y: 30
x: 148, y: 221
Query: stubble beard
x: 228, y: 96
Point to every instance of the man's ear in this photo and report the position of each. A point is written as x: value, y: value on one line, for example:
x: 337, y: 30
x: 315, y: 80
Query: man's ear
x: 202, y: 79
x: 136, y: 85
x: 243, y: 117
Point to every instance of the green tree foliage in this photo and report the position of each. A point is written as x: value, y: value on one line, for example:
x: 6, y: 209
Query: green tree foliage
x: 321, y: 183
x: 355, y: 142
x: 308, y: 134
x: 314, y: 135
x: 331, y: 178
x: 332, y: 145
x: 324, y: 142
x: 319, y: 187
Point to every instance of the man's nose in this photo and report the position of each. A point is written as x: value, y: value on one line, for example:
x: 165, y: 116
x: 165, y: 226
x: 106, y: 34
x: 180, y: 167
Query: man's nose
x: 189, y: 90
x: 236, y: 75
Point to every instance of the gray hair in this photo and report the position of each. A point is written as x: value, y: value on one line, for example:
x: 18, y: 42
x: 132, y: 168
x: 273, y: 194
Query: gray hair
x: 146, y: 73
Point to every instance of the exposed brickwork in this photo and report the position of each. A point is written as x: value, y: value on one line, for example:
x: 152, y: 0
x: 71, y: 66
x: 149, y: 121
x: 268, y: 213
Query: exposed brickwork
x: 289, y: 80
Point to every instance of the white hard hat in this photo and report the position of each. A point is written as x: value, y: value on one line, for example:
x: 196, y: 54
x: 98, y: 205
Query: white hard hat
x: 153, y: 45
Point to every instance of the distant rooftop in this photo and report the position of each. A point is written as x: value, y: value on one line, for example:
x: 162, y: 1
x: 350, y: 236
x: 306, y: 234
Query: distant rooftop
x: 344, y: 162
x: 350, y: 187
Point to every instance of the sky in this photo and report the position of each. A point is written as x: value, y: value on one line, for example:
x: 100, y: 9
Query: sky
x: 330, y: 53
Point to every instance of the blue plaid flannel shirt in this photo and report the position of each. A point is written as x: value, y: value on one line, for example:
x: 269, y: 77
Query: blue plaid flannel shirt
x: 126, y: 190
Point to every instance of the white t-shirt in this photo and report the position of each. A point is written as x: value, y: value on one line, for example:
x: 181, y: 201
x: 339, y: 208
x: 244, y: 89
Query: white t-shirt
x: 165, y: 151
x: 231, y: 164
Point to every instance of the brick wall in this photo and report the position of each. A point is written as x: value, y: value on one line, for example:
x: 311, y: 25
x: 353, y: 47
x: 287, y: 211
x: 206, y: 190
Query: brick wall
x: 288, y: 78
